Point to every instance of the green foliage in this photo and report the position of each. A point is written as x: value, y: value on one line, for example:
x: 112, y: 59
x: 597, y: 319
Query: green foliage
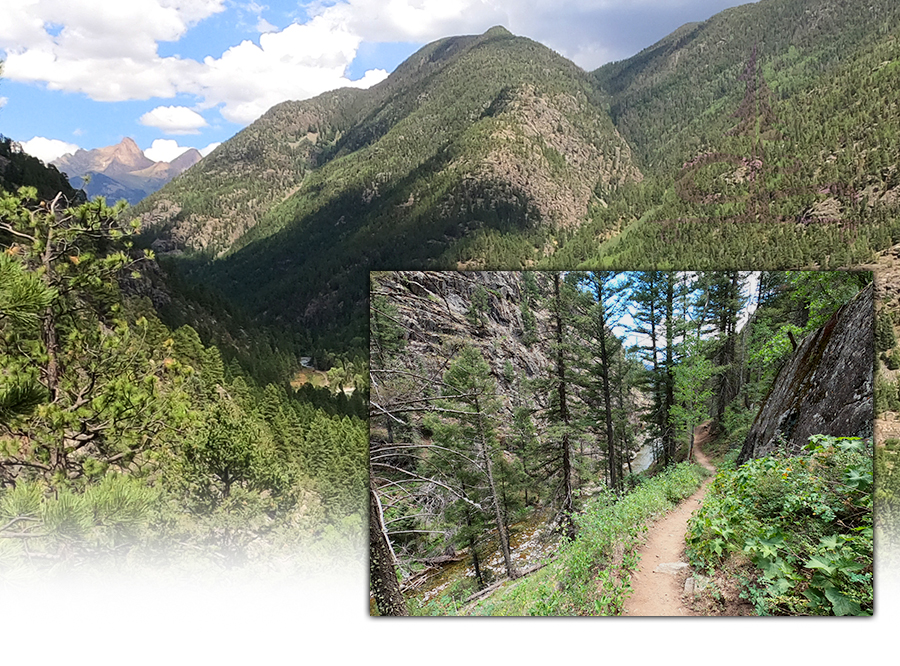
x: 387, y: 177
x: 589, y: 575
x: 479, y: 306
x: 805, y: 523
x: 121, y: 438
x: 885, y: 339
x: 18, y: 168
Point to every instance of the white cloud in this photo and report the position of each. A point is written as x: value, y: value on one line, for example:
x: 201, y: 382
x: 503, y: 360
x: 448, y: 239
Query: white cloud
x: 299, y: 62
x: 164, y: 150
x: 211, y: 147
x: 120, y: 40
x: 174, y: 120
x: 589, y: 32
x: 422, y: 20
x: 3, y: 101
x: 262, y: 25
x: 108, y: 50
x: 48, y: 150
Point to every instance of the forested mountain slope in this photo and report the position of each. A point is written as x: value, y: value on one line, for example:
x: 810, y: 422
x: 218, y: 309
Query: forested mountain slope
x: 766, y: 135
x: 676, y: 97
x: 123, y: 439
x: 470, y: 137
x: 769, y: 134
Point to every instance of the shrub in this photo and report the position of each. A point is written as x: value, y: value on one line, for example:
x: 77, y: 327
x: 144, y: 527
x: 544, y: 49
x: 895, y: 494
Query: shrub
x: 805, y: 523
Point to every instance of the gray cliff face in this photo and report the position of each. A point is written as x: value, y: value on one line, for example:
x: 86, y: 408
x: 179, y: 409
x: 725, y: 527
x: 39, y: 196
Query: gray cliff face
x: 825, y: 388
x: 433, y: 308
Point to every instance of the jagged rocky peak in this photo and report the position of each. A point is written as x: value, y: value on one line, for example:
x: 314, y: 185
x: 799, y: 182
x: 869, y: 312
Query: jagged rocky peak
x: 122, y: 171
x: 825, y: 388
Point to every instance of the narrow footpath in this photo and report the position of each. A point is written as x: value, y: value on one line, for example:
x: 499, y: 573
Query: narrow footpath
x: 657, y: 585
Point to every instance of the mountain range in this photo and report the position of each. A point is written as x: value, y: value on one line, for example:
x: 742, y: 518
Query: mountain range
x: 764, y: 137
x: 121, y: 171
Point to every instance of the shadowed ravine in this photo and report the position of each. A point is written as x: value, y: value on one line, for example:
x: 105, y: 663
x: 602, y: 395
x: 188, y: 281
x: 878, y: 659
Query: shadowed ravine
x: 657, y: 587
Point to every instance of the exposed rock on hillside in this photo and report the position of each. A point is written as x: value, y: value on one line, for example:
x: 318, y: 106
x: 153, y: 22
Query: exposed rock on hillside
x: 541, y: 151
x: 434, y: 312
x: 825, y: 388
x: 222, y: 199
x: 471, y: 137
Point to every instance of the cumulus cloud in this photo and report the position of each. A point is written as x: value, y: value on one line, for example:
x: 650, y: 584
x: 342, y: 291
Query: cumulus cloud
x: 164, y: 150
x: 48, y: 150
x: 64, y: 44
x: 106, y: 50
x: 174, y: 120
x: 262, y: 25
x: 301, y: 61
x: 109, y: 50
x: 590, y: 32
x: 422, y: 20
x: 211, y: 147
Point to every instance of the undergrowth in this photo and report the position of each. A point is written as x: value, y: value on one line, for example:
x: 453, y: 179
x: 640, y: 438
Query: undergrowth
x: 590, y: 574
x: 797, y: 529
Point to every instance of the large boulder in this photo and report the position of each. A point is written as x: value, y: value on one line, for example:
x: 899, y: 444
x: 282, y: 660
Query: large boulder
x: 825, y: 388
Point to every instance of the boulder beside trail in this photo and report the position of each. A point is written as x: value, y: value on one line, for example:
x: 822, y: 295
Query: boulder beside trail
x: 825, y: 388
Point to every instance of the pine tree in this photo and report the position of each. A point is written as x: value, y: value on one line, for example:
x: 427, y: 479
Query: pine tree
x: 469, y: 377
x: 602, y: 350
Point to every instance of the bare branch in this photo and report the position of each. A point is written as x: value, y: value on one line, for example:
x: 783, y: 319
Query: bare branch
x: 427, y: 480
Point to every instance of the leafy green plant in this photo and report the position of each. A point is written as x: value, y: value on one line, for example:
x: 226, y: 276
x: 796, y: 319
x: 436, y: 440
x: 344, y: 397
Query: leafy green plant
x: 804, y: 523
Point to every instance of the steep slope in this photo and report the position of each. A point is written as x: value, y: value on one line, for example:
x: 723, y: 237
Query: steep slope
x: 210, y: 207
x: 470, y: 137
x: 824, y: 389
x: 18, y: 168
x: 675, y: 97
x: 770, y: 137
x: 122, y: 171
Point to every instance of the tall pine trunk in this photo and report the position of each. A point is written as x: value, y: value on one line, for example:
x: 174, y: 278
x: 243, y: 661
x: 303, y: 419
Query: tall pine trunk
x: 568, y: 506
x: 495, y: 499
x: 382, y: 573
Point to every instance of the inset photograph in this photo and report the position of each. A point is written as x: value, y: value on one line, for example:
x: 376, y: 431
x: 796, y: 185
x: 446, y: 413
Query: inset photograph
x: 622, y: 443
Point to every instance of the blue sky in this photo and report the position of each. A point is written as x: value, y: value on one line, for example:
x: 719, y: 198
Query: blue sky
x: 174, y: 74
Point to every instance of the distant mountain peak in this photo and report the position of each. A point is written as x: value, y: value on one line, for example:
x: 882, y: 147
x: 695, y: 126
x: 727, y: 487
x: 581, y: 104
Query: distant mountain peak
x: 127, y: 172
x: 498, y: 31
x: 187, y: 159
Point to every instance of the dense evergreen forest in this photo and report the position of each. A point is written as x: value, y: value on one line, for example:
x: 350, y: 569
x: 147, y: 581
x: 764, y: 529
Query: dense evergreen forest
x: 123, y: 439
x: 521, y: 418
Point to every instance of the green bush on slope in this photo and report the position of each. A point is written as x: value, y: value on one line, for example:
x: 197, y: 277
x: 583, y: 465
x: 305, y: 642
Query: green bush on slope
x: 805, y: 524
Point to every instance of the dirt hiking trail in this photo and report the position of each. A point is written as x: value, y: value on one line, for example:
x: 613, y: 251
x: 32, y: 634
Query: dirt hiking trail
x: 658, y: 583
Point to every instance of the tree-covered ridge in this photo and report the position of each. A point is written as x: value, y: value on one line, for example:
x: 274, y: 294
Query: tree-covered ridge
x: 122, y: 438
x: 753, y: 158
x: 18, y: 168
x: 672, y: 100
x: 209, y: 207
x: 416, y: 165
x: 797, y: 175
x: 508, y: 405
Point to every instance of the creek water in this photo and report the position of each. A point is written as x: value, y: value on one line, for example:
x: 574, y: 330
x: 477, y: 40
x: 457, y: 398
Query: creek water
x: 643, y: 458
x: 529, y: 545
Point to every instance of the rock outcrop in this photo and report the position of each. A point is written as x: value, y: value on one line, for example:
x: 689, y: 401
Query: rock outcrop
x: 434, y: 311
x: 825, y: 388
